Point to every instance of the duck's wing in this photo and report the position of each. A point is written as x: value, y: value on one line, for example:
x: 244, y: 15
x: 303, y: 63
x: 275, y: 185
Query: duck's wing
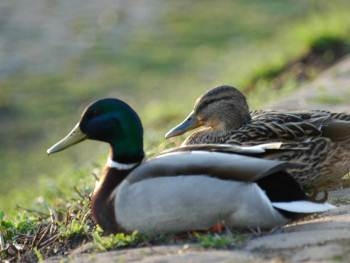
x: 223, y: 161
x: 291, y: 125
x: 226, y: 166
x: 297, y: 116
x: 289, y: 116
x: 258, y: 132
x: 342, y: 116
x: 228, y: 148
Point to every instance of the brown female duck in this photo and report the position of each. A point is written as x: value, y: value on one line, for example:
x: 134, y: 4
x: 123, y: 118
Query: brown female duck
x: 319, y: 140
x: 185, y: 189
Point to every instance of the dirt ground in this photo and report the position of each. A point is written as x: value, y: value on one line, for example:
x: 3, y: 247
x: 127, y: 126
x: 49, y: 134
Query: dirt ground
x: 324, y: 238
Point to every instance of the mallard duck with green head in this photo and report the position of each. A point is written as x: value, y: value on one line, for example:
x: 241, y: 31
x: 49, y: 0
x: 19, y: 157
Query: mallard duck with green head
x: 319, y: 140
x: 184, y: 189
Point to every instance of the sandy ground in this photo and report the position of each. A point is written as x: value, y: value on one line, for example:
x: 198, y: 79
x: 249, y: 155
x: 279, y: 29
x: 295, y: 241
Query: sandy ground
x: 324, y: 238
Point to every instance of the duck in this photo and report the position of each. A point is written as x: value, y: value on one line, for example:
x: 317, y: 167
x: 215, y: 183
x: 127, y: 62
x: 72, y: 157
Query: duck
x: 318, y: 139
x: 185, y: 188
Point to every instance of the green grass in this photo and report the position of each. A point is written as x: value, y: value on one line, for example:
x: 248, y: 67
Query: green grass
x: 227, y: 240
x: 187, y: 48
x: 113, y: 241
x: 48, y: 230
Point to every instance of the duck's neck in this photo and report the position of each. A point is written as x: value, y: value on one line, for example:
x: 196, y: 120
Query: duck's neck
x: 128, y: 150
x: 102, y: 203
x: 236, y: 121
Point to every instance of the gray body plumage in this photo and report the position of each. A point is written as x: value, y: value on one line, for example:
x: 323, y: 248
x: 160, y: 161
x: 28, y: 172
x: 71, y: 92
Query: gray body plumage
x: 184, y: 203
x: 151, y: 201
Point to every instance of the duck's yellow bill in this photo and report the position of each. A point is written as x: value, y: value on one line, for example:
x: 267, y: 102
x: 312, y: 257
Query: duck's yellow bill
x: 74, y: 136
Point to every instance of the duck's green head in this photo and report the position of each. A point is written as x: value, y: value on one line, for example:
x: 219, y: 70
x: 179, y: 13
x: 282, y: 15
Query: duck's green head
x: 112, y: 121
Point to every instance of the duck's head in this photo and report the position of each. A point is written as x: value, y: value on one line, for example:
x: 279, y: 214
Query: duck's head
x: 112, y: 121
x: 222, y: 108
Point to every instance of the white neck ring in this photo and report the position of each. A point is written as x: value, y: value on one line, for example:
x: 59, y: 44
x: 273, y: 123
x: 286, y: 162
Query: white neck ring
x: 120, y: 166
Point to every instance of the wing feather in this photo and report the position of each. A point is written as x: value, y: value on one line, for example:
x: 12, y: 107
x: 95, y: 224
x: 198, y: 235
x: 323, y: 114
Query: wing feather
x: 226, y: 166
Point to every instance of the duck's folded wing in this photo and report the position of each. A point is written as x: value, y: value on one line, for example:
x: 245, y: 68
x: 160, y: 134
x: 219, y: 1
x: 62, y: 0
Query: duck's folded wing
x: 282, y: 117
x: 228, y: 148
x: 343, y: 116
x: 287, y: 125
x: 280, y: 131
x: 227, y: 166
x: 259, y: 150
